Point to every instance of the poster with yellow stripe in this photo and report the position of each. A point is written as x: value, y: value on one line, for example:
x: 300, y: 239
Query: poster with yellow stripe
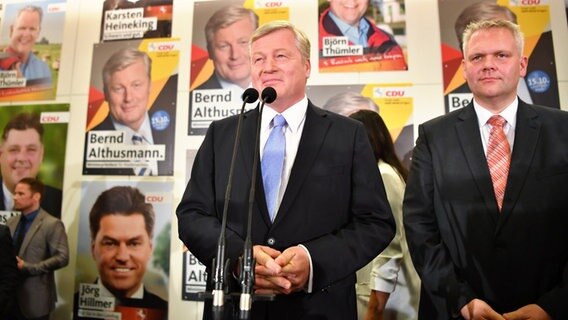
x: 131, y: 114
x: 539, y: 86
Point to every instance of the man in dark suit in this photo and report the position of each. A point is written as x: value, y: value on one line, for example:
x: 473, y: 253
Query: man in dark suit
x: 122, y: 228
x: 41, y: 245
x: 488, y: 234
x: 21, y: 155
x: 127, y: 82
x: 9, y: 275
x: 330, y: 213
x: 540, y: 59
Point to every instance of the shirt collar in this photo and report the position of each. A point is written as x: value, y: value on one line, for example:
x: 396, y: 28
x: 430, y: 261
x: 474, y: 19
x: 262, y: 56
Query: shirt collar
x: 509, y: 113
x: 294, y: 115
x: 347, y: 29
x: 139, y: 294
x: 8, y: 197
x: 145, y: 129
x: 31, y: 216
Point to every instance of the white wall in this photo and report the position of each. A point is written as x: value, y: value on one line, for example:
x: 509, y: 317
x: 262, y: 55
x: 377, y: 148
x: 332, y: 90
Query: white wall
x: 82, y: 31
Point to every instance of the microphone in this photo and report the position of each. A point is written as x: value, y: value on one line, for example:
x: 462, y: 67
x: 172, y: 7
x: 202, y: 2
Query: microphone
x: 249, y: 96
x: 247, y: 261
x: 220, y: 266
x: 268, y: 96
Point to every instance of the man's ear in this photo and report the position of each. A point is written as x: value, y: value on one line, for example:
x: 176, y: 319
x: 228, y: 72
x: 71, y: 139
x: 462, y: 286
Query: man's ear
x: 93, y: 248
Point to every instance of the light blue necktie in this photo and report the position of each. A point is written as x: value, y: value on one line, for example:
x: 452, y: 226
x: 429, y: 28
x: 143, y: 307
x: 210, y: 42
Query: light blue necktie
x: 138, y: 140
x: 273, y: 162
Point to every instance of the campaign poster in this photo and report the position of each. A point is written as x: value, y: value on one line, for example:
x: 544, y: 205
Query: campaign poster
x: 30, y: 49
x: 539, y: 86
x: 367, y: 36
x: 123, y: 250
x: 220, y: 60
x: 194, y: 275
x: 132, y: 108
x: 394, y: 102
x: 36, y: 151
x: 136, y: 19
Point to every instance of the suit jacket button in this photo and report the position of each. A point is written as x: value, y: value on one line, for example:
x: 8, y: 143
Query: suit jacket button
x: 271, y: 241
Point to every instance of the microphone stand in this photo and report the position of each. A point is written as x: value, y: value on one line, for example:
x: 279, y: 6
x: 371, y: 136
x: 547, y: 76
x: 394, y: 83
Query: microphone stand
x: 220, y: 262
x: 248, y: 262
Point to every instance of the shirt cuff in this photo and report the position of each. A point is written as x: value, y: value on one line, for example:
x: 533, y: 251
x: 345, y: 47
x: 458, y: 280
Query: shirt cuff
x: 310, y: 284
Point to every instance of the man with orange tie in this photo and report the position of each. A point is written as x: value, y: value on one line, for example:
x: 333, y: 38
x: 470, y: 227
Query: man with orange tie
x: 485, y: 204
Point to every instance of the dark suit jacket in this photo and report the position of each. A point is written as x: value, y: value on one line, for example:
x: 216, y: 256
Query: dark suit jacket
x: 335, y: 205
x: 50, y: 201
x: 9, y: 274
x: 211, y: 83
x: 462, y: 247
x: 44, y: 250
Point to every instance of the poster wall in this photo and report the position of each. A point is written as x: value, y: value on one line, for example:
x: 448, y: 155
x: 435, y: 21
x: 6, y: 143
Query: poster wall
x: 30, y: 49
x: 220, y: 61
x: 193, y: 271
x: 123, y: 250
x: 136, y: 19
x: 539, y: 86
x: 377, y: 43
x: 36, y: 151
x: 394, y: 102
x: 132, y: 108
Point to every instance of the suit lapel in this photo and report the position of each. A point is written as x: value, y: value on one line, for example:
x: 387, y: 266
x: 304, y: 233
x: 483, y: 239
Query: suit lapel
x: 315, y: 129
x: 470, y: 140
x: 526, y: 137
x: 247, y: 145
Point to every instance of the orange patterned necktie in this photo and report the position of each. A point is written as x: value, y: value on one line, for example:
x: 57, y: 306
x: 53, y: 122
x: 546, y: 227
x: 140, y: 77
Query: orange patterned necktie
x: 498, y: 157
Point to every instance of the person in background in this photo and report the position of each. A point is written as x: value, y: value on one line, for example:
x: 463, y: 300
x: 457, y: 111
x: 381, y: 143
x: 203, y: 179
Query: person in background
x: 41, y: 245
x: 227, y: 33
x: 317, y: 220
x: 9, y: 275
x: 388, y: 287
x: 485, y: 202
x: 21, y: 155
x: 348, y: 102
x: 24, y: 33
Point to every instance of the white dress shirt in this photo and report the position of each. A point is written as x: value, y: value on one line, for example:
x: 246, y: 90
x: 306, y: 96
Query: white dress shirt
x: 295, y: 118
x: 509, y: 113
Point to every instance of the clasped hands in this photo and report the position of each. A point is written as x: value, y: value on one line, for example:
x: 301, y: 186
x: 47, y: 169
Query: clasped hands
x: 479, y: 309
x: 280, y: 272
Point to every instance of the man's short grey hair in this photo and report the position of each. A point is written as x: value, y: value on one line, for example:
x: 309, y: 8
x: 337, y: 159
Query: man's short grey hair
x: 122, y: 59
x: 225, y: 17
x: 494, y: 24
x: 30, y: 8
x: 348, y: 102
x: 302, y: 41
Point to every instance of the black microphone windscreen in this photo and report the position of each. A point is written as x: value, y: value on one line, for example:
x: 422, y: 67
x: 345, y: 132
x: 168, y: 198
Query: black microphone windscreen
x: 250, y: 95
x: 268, y: 95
